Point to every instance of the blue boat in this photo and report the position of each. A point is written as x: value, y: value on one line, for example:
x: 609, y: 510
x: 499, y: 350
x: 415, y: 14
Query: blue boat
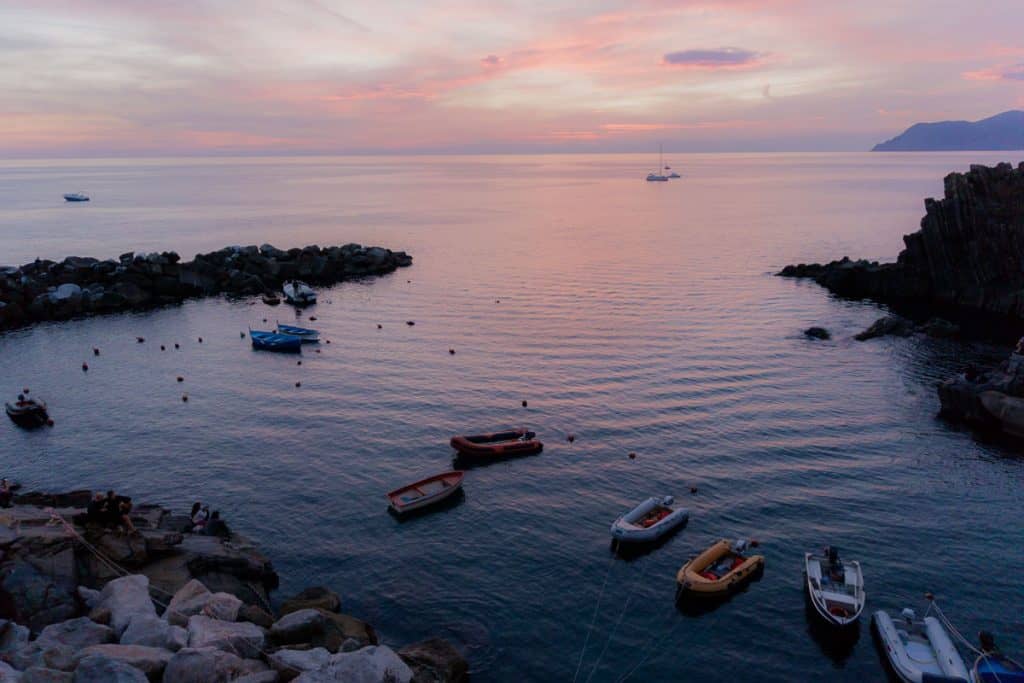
x: 272, y: 341
x: 304, y: 333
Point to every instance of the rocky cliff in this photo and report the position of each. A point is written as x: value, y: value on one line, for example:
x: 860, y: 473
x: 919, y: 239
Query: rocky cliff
x: 968, y: 255
x: 52, y: 290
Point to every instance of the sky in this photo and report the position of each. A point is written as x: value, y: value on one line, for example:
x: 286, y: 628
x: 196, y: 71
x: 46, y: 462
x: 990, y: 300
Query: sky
x: 153, y: 77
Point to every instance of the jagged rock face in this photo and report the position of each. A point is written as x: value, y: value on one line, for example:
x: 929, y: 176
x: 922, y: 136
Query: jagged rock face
x: 968, y: 254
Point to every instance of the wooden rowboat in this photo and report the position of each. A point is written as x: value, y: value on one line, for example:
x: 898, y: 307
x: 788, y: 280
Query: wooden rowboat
x: 425, y: 492
x: 497, y: 445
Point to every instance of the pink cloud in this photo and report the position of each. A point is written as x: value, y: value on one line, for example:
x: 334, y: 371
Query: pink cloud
x: 1013, y: 72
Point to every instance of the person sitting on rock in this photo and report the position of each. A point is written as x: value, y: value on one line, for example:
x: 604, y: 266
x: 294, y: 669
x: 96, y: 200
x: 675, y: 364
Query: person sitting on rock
x: 124, y: 509
x: 216, y: 526
x: 200, y: 515
x: 94, y: 511
x: 5, y: 494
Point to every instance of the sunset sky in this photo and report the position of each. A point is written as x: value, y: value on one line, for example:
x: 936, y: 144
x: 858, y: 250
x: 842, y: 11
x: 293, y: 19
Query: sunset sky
x: 140, y: 77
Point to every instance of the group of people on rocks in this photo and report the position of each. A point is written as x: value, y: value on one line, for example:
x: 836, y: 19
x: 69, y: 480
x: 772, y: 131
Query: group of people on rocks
x: 202, y: 521
x: 110, y: 510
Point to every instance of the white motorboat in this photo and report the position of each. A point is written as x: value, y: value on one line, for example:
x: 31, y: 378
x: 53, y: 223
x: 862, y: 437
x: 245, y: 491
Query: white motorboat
x: 835, y: 588
x: 76, y: 197
x: 649, y: 521
x: 298, y: 293
x: 919, y: 650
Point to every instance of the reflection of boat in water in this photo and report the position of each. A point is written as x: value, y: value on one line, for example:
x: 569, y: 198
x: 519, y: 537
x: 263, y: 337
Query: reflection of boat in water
x: 27, y: 412
x: 425, y: 492
x: 649, y: 521
x: 719, y: 571
x: 836, y: 589
x: 919, y: 650
x: 76, y: 197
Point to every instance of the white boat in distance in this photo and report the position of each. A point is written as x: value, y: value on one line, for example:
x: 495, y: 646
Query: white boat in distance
x: 919, y: 650
x: 298, y: 293
x: 836, y: 588
x: 76, y: 197
x: 649, y: 521
x: 658, y: 176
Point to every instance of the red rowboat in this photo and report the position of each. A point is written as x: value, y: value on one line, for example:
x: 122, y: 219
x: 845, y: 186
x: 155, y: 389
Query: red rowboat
x: 497, y: 445
x: 425, y: 492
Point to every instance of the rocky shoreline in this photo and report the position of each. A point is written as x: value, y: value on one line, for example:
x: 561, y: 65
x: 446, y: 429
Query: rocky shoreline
x: 82, y: 602
x: 965, y: 263
x: 56, y: 290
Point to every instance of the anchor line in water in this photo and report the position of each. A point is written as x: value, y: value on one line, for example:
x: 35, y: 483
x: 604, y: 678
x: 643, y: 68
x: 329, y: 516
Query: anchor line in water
x: 615, y: 628
x: 593, y: 619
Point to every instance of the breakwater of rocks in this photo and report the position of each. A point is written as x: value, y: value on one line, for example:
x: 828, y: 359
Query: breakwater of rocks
x: 84, y: 601
x: 55, y: 290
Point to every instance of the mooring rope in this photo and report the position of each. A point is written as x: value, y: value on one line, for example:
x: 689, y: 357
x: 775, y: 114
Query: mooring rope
x: 593, y: 619
x: 636, y: 584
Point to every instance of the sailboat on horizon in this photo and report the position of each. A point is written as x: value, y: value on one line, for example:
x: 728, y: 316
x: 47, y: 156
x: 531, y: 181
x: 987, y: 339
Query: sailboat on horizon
x: 658, y: 176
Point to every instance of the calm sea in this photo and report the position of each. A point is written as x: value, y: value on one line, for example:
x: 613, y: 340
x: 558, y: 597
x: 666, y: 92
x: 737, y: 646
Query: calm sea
x: 640, y: 317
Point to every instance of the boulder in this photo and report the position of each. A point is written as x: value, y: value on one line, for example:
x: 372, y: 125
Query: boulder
x: 12, y: 636
x: 301, y: 626
x: 34, y: 599
x: 315, y: 597
x: 291, y: 663
x: 149, y: 660
x: 203, y: 665
x: 374, y: 664
x: 261, y: 677
x: 39, y: 674
x: 189, y: 600
x: 60, y: 657
x: 100, y: 669
x: 241, y: 638
x: 90, y: 597
x: 321, y: 629
x: 9, y: 674
x: 435, y: 661
x: 255, y: 615
x: 890, y: 325
x: 76, y: 633
x: 223, y: 606
x: 817, y: 333
x: 126, y: 598
x: 938, y: 327
x: 132, y: 294
x: 153, y: 631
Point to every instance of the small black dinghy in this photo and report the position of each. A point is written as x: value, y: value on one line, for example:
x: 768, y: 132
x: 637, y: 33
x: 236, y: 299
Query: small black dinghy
x: 27, y: 412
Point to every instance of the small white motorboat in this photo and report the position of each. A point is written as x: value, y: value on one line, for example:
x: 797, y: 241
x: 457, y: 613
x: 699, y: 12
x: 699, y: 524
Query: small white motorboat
x: 649, y: 521
x: 298, y: 293
x: 76, y: 197
x: 835, y: 588
x: 919, y: 650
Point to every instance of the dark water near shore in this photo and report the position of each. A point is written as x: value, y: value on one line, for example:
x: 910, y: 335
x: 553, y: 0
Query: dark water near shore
x: 639, y: 317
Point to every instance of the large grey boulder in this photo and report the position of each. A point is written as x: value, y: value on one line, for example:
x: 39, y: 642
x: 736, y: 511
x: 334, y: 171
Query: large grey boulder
x: 126, y: 598
x: 153, y: 631
x: 150, y: 660
x: 76, y: 633
x: 241, y: 638
x: 8, y: 674
x: 33, y: 598
x: 261, y: 677
x: 100, y: 669
x: 290, y: 663
x: 373, y: 664
x: 50, y: 656
x: 298, y: 627
x: 315, y: 597
x: 222, y: 606
x: 435, y: 661
x: 12, y: 636
x: 189, y: 600
x: 204, y: 665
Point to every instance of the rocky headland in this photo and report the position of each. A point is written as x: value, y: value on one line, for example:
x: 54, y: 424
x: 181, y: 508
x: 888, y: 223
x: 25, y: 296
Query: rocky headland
x: 55, y: 290
x: 966, y: 263
x: 82, y: 602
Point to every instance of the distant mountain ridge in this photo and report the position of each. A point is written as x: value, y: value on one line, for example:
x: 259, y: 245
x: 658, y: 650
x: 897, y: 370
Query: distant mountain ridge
x: 1000, y: 132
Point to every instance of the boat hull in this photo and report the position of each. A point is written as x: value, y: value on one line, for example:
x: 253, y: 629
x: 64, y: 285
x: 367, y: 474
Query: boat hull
x: 271, y: 341
x: 425, y: 493
x: 996, y: 668
x: 497, y: 445
x: 307, y: 335
x: 912, y: 665
x: 625, y: 530
x: 690, y: 581
x: 29, y: 417
x: 840, y: 612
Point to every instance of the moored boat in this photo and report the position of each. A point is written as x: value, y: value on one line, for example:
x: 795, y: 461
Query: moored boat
x: 271, y: 299
x: 272, y: 341
x: 76, y: 197
x: 919, y: 650
x: 718, y: 571
x: 298, y: 293
x: 425, y: 492
x: 835, y: 588
x: 1009, y: 410
x: 497, y: 445
x: 304, y: 333
x: 27, y: 412
x: 649, y: 521
x: 992, y: 666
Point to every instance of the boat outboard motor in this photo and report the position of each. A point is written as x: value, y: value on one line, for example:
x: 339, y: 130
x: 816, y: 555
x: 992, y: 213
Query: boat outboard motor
x: 667, y: 501
x: 987, y: 641
x: 740, y: 545
x: 909, y: 615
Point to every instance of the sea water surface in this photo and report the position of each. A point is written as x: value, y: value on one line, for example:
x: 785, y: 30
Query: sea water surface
x: 640, y: 317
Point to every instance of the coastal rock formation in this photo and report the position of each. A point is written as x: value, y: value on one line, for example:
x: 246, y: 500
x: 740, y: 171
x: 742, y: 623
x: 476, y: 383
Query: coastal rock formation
x: 54, y: 290
x: 968, y: 255
x: 90, y: 623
